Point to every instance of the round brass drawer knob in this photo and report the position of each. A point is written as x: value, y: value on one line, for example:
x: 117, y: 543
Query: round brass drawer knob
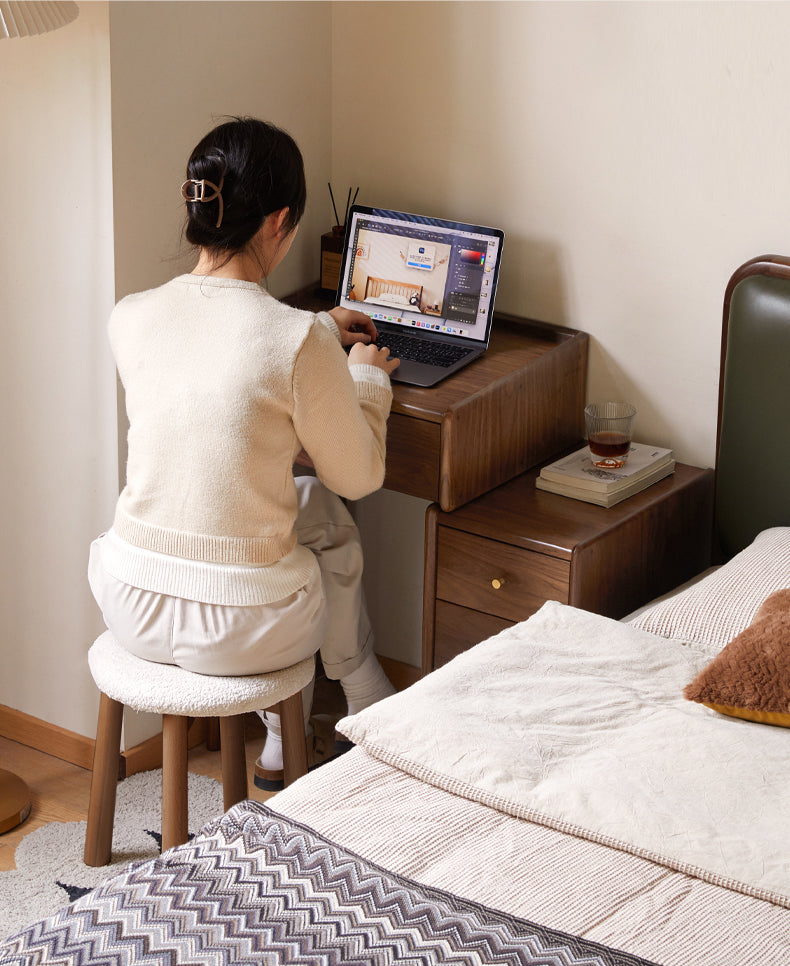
x: 498, y: 582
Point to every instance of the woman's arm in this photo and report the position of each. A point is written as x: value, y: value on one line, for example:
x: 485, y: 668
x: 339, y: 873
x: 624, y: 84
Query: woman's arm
x: 340, y: 412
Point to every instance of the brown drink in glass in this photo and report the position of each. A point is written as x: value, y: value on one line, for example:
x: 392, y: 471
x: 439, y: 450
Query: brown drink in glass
x: 608, y: 428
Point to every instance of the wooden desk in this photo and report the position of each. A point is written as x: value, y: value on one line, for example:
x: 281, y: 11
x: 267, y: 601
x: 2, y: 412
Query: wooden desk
x: 498, y: 559
x: 518, y: 405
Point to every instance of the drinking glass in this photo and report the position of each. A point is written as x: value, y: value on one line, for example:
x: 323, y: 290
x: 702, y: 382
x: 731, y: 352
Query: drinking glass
x: 609, y: 426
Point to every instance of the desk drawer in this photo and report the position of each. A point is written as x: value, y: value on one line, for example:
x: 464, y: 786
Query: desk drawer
x: 413, y: 456
x: 470, y: 567
x: 458, y: 629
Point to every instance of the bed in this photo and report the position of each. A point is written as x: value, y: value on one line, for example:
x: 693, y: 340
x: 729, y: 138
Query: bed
x: 399, y: 295
x: 548, y: 797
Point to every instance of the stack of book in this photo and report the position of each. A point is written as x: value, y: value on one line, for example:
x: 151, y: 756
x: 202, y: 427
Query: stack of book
x: 578, y: 477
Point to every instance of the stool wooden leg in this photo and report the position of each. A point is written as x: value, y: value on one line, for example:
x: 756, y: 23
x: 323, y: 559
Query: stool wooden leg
x: 294, y: 745
x: 175, y: 814
x: 104, y: 782
x: 212, y: 734
x: 234, y: 760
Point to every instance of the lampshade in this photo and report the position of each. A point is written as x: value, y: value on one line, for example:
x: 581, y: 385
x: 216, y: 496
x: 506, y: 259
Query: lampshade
x: 24, y: 19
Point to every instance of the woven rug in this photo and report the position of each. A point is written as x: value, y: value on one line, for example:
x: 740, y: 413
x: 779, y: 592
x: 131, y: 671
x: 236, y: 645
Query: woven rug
x: 49, y: 870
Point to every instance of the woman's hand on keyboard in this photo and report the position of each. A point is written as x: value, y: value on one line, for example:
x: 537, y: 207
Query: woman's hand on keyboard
x: 372, y: 355
x: 354, y: 326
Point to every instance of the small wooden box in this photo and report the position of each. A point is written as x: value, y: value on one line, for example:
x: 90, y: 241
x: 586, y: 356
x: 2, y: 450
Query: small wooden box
x: 331, y: 259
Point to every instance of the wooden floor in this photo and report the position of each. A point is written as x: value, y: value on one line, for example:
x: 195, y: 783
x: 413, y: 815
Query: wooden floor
x: 60, y: 790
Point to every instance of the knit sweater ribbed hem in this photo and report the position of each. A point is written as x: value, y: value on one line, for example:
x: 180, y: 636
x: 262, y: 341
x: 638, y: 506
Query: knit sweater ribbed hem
x: 210, y: 583
x: 250, y: 551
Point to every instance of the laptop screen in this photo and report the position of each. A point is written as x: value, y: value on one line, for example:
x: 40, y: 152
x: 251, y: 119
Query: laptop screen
x: 418, y: 272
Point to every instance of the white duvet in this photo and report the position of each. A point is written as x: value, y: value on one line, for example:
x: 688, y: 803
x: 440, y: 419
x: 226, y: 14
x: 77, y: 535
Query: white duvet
x: 579, y: 722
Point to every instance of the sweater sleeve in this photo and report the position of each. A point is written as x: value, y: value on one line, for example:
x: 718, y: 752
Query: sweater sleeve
x: 340, y: 415
x: 326, y: 319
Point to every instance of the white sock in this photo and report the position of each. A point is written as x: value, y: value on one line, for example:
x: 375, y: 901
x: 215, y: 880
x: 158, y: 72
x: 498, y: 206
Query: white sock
x: 271, y: 758
x: 367, y: 685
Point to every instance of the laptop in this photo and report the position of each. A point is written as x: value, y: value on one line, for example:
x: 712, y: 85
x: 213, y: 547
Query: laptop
x: 427, y: 283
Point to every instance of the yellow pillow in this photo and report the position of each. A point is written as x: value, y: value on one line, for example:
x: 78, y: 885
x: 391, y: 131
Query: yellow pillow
x: 750, y: 677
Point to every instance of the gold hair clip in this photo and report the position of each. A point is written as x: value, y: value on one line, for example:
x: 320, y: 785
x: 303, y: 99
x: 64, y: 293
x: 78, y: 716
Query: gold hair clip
x: 199, y: 193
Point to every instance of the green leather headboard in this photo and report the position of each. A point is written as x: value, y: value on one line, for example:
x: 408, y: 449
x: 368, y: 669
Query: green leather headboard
x: 753, y: 452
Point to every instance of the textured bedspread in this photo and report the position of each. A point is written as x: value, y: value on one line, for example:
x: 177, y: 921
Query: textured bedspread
x: 256, y: 888
x: 578, y: 722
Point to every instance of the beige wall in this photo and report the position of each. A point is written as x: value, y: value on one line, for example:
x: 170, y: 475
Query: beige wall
x: 634, y: 153
x: 57, y: 387
x: 180, y: 68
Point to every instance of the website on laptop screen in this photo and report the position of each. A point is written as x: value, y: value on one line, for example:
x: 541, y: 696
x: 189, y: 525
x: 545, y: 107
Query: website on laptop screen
x: 420, y: 272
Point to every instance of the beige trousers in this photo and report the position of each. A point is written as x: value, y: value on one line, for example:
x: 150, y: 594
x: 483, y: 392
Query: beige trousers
x: 327, y: 614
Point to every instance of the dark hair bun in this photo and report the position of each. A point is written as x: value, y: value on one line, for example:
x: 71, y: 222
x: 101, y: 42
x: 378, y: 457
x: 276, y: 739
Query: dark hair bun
x: 260, y: 169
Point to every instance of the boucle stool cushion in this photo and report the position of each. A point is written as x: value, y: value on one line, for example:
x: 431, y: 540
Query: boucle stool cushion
x: 167, y: 689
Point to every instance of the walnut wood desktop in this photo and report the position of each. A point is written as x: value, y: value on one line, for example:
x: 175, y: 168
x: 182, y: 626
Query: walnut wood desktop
x: 498, y: 559
x: 519, y: 404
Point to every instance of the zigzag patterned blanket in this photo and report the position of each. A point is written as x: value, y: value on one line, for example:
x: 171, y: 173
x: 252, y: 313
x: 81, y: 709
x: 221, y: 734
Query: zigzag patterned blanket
x: 257, y: 888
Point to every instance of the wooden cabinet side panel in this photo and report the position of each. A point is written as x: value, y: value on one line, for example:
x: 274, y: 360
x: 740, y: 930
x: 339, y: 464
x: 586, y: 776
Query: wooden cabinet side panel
x: 524, y: 417
x: 648, y: 555
x: 429, y: 590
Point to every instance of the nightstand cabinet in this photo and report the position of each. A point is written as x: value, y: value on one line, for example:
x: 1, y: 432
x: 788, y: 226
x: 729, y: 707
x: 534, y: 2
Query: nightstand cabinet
x: 498, y: 559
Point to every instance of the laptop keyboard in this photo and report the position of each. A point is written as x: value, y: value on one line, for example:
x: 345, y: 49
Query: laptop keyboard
x: 422, y: 350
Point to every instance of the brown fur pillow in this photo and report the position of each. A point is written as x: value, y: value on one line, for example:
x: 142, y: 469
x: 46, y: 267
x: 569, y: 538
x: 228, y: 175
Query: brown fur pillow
x: 750, y: 677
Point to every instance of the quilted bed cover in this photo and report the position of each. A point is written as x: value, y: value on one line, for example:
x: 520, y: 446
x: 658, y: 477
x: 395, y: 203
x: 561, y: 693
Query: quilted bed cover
x: 551, y: 780
x: 578, y: 722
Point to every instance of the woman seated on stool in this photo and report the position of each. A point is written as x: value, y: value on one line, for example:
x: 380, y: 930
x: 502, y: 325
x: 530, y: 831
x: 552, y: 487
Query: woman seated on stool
x: 219, y: 560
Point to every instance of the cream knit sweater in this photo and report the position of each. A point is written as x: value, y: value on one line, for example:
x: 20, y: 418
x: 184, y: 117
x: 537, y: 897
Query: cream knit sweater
x: 224, y: 386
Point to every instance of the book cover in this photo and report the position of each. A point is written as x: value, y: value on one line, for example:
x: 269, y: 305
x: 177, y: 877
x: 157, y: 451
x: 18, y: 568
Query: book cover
x: 611, y: 498
x: 578, y: 469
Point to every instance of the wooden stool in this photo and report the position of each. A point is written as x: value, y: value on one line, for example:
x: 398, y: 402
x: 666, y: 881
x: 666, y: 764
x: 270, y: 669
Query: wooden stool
x: 178, y: 695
